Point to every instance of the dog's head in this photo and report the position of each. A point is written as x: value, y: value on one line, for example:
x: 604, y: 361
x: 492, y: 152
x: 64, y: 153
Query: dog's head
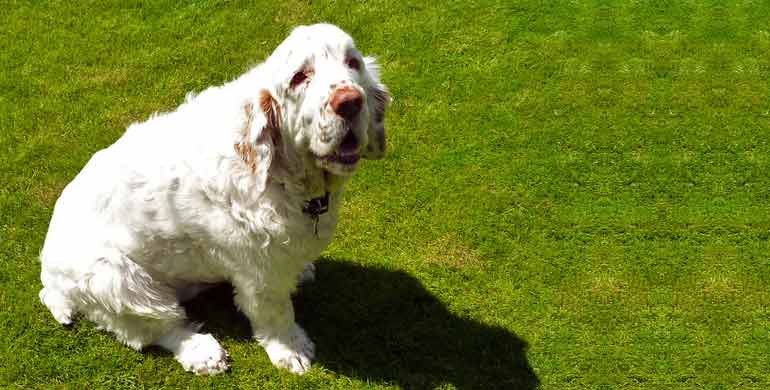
x: 329, y: 98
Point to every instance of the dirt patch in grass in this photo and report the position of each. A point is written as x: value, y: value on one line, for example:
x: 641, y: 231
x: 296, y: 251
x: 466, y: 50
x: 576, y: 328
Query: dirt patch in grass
x: 450, y: 251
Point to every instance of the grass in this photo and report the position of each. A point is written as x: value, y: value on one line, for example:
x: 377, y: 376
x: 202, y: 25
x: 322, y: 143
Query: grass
x: 576, y: 195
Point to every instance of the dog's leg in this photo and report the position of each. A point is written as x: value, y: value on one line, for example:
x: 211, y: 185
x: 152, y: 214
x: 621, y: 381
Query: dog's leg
x: 198, y: 353
x: 308, y: 274
x: 272, y: 321
x: 121, y: 297
x: 60, y: 306
x: 55, y: 295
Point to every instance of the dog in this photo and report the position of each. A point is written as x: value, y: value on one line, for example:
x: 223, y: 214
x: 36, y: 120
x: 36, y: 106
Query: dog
x: 242, y: 184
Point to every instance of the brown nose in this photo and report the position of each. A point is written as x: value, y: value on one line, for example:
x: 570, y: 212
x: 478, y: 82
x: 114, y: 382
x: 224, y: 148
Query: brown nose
x: 346, y: 102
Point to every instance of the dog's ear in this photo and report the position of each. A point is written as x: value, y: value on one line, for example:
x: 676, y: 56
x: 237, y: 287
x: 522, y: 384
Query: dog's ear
x: 377, y: 99
x: 260, y: 136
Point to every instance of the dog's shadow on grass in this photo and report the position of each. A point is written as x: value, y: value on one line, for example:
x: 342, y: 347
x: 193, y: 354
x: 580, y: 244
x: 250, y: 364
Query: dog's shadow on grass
x: 384, y: 326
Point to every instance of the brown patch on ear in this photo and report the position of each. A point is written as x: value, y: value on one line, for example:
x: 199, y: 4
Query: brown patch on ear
x: 270, y: 108
x: 270, y: 134
x: 273, y: 114
x: 243, y: 148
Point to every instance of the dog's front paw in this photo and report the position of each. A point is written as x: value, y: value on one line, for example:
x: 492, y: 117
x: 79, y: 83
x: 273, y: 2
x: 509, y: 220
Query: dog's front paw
x: 202, y: 355
x: 293, y: 352
x: 308, y: 274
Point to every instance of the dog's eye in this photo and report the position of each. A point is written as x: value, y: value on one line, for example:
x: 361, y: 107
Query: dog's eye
x: 353, y: 63
x: 298, y: 78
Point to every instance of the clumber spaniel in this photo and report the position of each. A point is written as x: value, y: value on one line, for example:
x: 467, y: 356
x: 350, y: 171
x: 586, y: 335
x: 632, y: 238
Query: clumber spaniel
x: 242, y: 183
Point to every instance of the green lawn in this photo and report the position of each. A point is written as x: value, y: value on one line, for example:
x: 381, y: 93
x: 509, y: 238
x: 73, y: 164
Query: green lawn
x: 577, y: 193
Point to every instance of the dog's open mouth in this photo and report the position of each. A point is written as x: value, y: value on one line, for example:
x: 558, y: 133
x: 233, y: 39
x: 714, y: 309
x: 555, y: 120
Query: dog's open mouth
x: 347, y: 153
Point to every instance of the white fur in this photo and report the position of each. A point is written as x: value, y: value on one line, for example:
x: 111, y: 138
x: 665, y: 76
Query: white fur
x: 213, y: 192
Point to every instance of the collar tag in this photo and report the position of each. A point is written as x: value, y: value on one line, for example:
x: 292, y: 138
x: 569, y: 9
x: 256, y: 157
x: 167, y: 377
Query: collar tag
x: 315, y: 207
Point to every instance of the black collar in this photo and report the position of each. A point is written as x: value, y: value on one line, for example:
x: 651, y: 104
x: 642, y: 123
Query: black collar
x: 317, y: 206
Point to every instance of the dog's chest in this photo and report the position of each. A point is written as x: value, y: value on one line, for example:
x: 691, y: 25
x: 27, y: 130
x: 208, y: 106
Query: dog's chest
x: 305, y: 236
x: 297, y: 237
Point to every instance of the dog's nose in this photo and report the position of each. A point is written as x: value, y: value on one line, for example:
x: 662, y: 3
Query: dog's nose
x: 346, y: 102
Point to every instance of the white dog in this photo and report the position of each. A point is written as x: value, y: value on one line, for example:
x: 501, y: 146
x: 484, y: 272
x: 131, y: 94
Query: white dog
x: 241, y: 183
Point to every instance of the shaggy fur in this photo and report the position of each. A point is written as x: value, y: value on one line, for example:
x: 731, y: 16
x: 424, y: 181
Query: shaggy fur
x: 217, y: 191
